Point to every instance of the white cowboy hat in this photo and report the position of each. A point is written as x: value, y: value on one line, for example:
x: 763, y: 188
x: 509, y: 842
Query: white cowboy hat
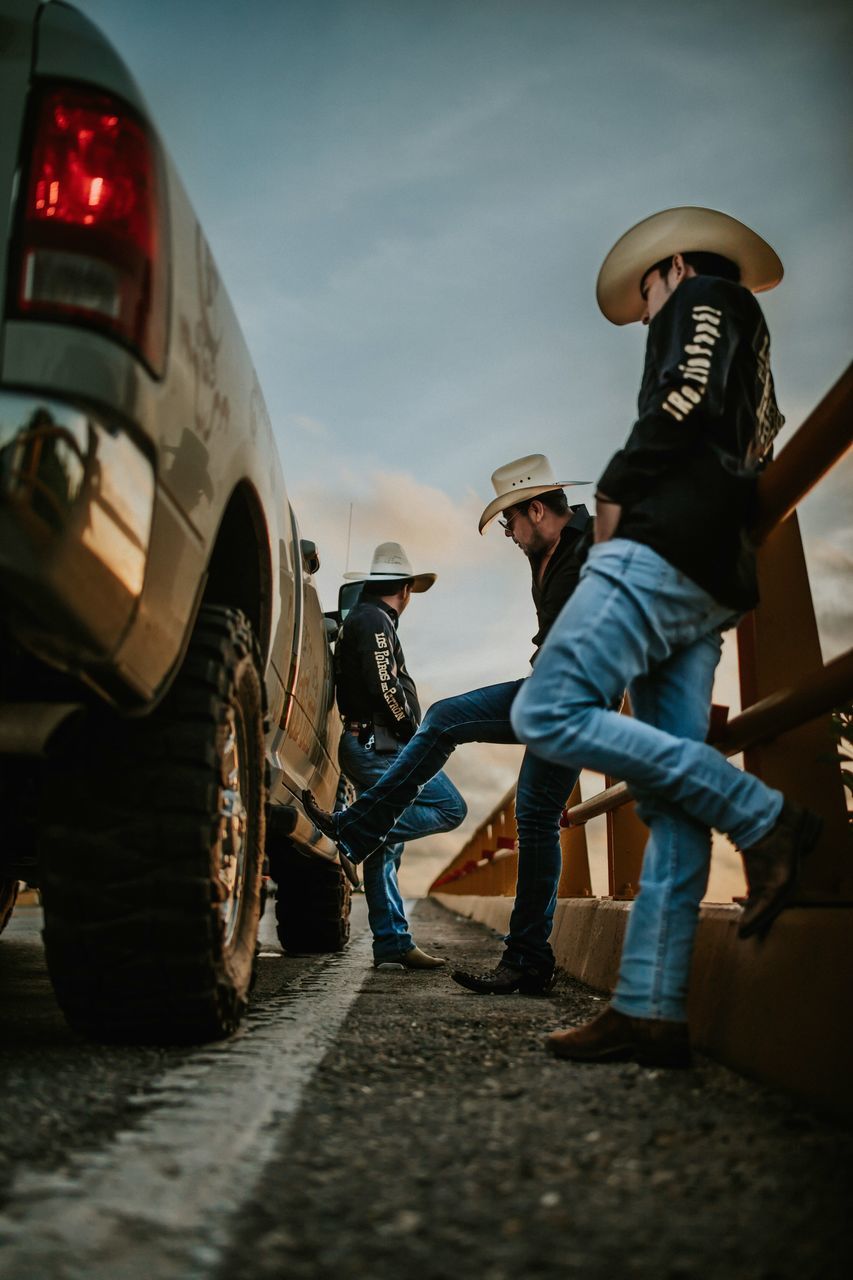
x: 522, y: 479
x: 684, y: 230
x: 390, y: 564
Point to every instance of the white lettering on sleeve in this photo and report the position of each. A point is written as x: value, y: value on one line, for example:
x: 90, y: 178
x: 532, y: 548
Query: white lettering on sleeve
x: 678, y: 401
x: 697, y: 367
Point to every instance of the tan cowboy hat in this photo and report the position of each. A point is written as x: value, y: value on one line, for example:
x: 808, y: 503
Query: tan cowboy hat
x: 684, y: 230
x: 390, y: 564
x: 522, y: 479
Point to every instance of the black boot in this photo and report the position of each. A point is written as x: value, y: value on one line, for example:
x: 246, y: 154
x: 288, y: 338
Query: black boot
x: 506, y: 978
x: 326, y: 822
x: 322, y: 819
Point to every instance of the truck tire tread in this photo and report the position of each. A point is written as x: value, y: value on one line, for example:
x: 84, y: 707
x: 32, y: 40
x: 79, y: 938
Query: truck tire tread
x: 312, y: 905
x: 130, y: 848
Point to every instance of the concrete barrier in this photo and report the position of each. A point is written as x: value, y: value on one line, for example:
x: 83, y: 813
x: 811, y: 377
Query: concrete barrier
x: 779, y: 1010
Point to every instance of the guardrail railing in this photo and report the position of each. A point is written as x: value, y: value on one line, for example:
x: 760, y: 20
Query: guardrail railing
x: 786, y: 691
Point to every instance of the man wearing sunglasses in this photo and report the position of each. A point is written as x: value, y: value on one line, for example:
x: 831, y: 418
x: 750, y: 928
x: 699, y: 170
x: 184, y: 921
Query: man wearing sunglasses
x: 554, y: 537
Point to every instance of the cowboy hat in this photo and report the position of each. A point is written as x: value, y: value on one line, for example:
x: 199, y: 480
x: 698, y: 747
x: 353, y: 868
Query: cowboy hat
x: 520, y: 480
x: 689, y: 229
x: 391, y: 564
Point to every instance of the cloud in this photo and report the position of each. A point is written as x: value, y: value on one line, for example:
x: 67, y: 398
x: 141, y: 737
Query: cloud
x: 438, y: 532
x: 474, y: 627
x: 375, y: 156
x: 827, y: 534
x: 831, y: 571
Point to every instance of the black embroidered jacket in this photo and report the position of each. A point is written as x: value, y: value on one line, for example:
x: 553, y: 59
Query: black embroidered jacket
x: 372, y: 682
x: 707, y: 419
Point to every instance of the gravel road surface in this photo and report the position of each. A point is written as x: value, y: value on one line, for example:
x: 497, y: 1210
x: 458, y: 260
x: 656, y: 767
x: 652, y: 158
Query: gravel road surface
x: 381, y: 1125
x: 441, y: 1141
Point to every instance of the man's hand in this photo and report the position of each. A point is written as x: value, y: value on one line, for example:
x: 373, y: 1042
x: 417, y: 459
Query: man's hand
x: 607, y: 517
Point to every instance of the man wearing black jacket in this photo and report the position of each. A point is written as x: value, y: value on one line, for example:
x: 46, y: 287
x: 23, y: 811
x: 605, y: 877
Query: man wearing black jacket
x: 554, y: 537
x: 378, y: 701
x: 672, y: 567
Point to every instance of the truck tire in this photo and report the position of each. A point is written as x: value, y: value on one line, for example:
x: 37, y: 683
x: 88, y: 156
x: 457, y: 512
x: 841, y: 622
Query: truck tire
x: 8, y: 897
x: 152, y: 852
x: 312, y: 905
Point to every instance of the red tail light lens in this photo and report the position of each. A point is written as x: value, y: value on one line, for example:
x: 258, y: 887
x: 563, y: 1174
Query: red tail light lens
x: 92, y: 238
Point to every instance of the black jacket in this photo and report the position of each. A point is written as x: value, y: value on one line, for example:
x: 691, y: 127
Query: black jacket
x: 707, y: 419
x: 372, y: 683
x: 561, y: 573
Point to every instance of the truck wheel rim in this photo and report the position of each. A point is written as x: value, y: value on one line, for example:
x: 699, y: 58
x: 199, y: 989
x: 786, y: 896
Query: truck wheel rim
x: 234, y: 821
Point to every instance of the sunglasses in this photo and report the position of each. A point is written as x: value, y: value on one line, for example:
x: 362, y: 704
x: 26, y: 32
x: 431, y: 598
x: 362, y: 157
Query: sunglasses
x: 505, y: 524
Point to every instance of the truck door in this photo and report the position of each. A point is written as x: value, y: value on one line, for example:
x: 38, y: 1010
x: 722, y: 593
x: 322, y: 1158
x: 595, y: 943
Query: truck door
x: 304, y: 746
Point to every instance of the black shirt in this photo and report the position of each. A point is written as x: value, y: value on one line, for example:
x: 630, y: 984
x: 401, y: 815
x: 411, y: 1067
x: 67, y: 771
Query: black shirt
x: 707, y: 418
x: 372, y: 683
x: 561, y: 572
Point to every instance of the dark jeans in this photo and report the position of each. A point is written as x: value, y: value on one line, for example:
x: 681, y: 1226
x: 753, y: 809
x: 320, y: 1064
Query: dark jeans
x: 439, y: 807
x: 380, y: 813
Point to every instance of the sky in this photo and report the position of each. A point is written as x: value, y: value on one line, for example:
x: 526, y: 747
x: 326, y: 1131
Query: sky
x: 409, y: 202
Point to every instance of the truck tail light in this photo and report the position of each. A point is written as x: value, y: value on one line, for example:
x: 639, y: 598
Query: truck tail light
x: 91, y: 243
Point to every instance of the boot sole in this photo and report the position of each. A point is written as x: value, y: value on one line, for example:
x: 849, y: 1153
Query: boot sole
x: 480, y: 991
x: 349, y: 868
x: 807, y: 837
x: 676, y: 1061
x: 519, y: 990
x: 606, y: 1055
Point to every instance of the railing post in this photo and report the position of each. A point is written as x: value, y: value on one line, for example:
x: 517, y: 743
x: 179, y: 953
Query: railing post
x: 504, y: 833
x: 626, y: 842
x: 778, y: 644
x: 575, y: 880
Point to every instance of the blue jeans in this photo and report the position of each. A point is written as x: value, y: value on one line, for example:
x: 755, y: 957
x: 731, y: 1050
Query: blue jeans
x: 384, y: 812
x: 439, y: 807
x: 634, y: 621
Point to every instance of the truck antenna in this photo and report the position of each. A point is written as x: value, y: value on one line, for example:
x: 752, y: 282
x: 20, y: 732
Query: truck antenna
x: 349, y: 537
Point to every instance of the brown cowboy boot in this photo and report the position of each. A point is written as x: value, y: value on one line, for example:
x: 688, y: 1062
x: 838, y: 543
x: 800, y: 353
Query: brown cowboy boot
x: 773, y: 867
x: 614, y: 1037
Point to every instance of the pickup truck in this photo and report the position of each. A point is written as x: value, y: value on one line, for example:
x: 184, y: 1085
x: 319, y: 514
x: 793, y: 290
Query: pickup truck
x: 166, y: 685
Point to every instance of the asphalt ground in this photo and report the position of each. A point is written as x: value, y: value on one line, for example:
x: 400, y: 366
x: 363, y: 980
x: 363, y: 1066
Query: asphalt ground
x: 440, y: 1140
x: 427, y: 1136
x: 61, y: 1094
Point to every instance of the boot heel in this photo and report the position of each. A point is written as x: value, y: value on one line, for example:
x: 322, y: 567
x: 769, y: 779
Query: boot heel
x: 530, y: 986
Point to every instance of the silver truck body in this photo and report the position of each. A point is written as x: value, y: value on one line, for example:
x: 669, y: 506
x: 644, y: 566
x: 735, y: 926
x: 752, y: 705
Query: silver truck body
x: 166, y: 688
x: 174, y: 482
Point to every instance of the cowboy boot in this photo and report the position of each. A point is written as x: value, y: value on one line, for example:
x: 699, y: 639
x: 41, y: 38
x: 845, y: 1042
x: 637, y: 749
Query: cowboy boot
x: 615, y: 1037
x: 773, y: 867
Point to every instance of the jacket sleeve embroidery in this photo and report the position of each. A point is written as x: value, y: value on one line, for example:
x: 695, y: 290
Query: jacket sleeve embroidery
x: 698, y: 363
x: 382, y: 677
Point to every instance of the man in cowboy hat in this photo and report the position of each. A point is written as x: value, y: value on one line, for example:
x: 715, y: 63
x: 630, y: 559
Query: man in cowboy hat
x: 552, y: 535
x: 671, y: 568
x: 379, y: 704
